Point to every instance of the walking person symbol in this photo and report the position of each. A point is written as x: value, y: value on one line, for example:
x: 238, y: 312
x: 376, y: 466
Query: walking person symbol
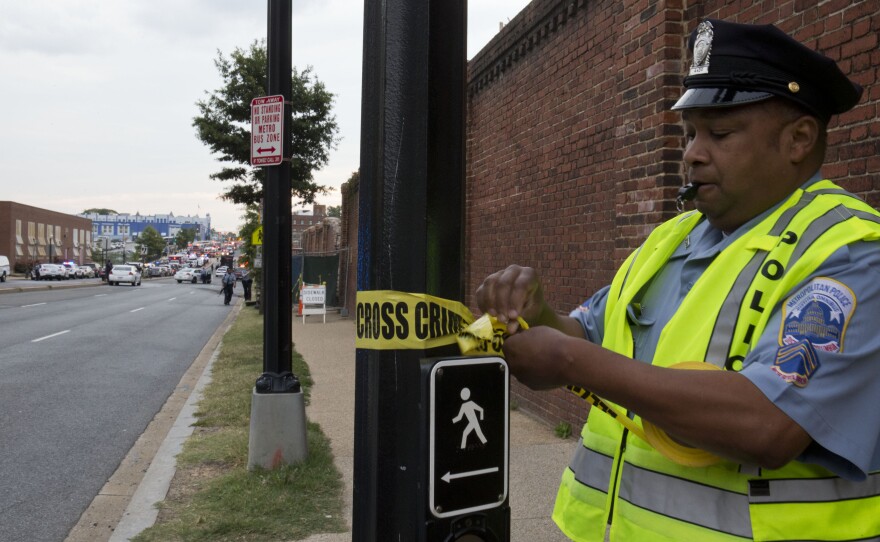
x: 469, y: 410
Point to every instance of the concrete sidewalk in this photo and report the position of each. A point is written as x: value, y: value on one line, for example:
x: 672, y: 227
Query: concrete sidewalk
x: 537, y: 455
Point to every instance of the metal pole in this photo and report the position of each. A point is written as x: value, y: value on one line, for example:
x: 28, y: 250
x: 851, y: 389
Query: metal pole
x: 278, y: 425
x: 409, y: 239
x: 277, y: 375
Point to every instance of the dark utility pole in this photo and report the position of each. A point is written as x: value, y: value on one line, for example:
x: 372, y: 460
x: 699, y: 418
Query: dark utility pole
x: 409, y: 239
x: 277, y: 376
x: 278, y: 427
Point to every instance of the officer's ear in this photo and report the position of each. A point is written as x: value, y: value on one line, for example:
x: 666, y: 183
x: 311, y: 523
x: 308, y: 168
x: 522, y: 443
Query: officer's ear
x: 802, y: 137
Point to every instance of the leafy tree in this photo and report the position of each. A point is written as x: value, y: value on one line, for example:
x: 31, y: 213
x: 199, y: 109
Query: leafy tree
x: 225, y: 117
x: 335, y: 210
x: 98, y: 211
x: 184, y: 237
x: 150, y: 244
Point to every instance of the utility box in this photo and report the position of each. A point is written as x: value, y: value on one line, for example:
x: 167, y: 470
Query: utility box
x: 467, y: 426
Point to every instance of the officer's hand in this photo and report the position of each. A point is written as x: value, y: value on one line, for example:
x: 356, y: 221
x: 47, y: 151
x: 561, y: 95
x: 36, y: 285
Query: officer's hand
x: 535, y: 357
x: 512, y: 293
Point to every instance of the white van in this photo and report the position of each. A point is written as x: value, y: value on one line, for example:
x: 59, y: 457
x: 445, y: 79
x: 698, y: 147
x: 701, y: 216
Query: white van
x: 4, y: 268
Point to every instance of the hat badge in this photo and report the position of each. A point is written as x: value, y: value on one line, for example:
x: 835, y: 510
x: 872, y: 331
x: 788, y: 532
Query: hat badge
x: 702, y: 49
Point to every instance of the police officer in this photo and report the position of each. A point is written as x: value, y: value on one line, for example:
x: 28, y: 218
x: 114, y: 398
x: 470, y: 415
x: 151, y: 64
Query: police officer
x: 228, y: 285
x: 246, y: 282
x: 772, y: 280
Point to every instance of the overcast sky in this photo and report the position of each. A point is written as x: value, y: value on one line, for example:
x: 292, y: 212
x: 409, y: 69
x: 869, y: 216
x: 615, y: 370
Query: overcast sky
x: 97, y: 97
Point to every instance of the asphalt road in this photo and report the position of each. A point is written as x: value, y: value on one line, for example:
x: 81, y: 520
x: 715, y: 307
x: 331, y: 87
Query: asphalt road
x: 82, y: 373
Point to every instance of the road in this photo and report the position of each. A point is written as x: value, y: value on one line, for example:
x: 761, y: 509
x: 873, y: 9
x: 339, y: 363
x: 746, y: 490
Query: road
x: 82, y: 373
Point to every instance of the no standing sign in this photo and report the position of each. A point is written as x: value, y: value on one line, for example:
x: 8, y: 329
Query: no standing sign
x: 267, y: 130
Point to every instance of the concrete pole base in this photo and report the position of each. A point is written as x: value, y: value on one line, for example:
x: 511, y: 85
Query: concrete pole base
x: 278, y: 430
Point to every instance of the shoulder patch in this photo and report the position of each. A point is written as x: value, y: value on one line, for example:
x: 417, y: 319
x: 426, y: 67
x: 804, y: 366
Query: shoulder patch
x: 814, y: 319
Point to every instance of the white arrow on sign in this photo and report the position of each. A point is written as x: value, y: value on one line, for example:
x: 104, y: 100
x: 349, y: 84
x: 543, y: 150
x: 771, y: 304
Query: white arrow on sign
x: 448, y: 477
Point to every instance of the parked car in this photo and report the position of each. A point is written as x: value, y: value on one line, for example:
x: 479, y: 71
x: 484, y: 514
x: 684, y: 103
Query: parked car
x: 49, y: 271
x: 90, y: 270
x: 124, y: 273
x: 4, y: 268
x: 187, y: 274
x: 159, y: 271
x: 73, y: 270
x: 220, y: 271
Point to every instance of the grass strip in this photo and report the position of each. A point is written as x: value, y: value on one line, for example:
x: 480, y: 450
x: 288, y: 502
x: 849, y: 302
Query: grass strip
x: 213, y: 496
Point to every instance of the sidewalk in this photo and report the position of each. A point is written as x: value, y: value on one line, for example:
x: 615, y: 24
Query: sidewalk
x: 537, y: 456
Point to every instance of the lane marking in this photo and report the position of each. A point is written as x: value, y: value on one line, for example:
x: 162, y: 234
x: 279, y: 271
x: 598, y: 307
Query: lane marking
x: 50, y: 336
x: 32, y: 305
x: 172, y: 299
x: 100, y: 295
x: 135, y: 310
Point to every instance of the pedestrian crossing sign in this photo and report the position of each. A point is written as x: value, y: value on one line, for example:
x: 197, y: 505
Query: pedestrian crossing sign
x: 468, y: 435
x: 257, y: 236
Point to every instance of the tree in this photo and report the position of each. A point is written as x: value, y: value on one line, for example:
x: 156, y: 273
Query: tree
x: 184, y: 237
x: 99, y: 212
x: 224, y: 125
x: 335, y: 210
x: 150, y: 244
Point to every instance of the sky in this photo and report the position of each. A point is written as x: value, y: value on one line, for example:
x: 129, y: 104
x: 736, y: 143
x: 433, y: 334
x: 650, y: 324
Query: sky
x: 97, y: 97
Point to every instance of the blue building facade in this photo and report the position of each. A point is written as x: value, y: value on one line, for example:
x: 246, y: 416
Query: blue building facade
x: 127, y: 227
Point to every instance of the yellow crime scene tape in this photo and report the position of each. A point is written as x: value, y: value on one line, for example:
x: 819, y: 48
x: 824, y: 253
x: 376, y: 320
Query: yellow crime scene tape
x: 391, y: 320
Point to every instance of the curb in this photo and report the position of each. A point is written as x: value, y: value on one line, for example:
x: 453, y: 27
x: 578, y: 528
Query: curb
x: 141, y: 512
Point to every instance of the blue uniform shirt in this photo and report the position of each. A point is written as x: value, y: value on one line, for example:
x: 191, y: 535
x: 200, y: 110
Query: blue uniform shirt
x: 838, y: 405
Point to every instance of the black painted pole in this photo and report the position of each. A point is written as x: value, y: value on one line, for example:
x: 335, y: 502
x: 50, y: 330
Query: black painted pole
x: 409, y: 238
x: 278, y: 319
x: 278, y: 422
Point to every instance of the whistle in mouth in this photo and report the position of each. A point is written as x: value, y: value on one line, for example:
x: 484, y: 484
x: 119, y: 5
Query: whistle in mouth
x: 687, y: 192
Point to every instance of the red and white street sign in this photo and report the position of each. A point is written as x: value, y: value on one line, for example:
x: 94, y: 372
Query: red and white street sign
x: 267, y: 130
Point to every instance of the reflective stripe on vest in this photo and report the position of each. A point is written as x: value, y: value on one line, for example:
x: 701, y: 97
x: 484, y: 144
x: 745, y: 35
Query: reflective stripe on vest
x: 684, y: 500
x: 811, y: 490
x: 669, y: 496
x: 652, y: 499
x: 599, y: 473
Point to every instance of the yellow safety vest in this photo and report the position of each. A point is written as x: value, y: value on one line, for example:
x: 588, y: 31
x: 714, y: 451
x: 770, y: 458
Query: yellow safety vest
x: 618, y: 478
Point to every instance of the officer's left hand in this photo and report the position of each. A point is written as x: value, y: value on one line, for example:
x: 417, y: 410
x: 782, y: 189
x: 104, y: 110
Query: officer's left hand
x: 537, y: 357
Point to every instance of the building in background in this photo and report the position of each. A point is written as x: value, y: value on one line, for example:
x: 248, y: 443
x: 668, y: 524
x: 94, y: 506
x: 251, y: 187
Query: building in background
x: 29, y: 235
x: 123, y: 227
x: 300, y: 221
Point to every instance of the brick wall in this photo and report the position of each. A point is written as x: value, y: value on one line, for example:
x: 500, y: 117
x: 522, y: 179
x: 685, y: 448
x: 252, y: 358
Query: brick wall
x: 348, y: 242
x: 323, y: 237
x: 573, y: 155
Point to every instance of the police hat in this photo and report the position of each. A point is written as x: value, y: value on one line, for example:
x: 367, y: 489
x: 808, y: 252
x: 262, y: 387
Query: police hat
x: 735, y: 64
